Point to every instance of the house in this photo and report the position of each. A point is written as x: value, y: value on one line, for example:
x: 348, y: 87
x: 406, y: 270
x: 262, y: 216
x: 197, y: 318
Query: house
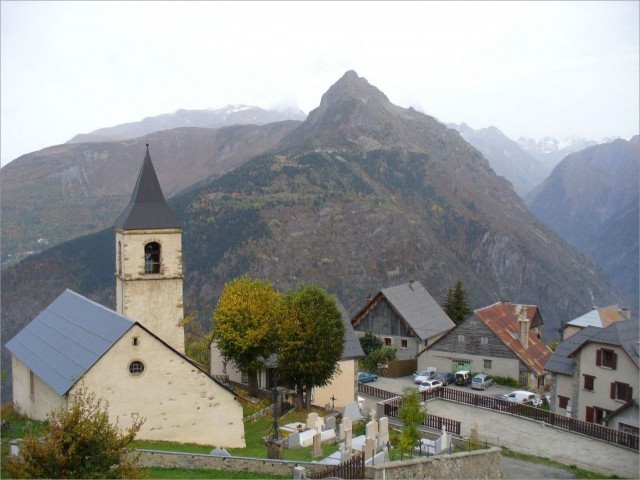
x: 404, y: 317
x: 502, y: 339
x: 133, y: 358
x: 597, y: 317
x: 595, y: 372
x: 339, y: 392
x: 626, y: 418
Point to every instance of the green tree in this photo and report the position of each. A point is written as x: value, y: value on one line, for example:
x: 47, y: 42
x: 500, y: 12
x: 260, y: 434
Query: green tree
x: 311, y: 340
x: 369, y: 342
x: 379, y: 355
x: 455, y: 304
x: 196, y: 340
x: 245, y: 325
x: 79, y: 442
x: 412, y: 414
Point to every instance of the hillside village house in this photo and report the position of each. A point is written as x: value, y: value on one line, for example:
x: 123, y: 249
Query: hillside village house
x: 502, y: 339
x: 133, y: 357
x: 404, y: 317
x: 594, y: 375
x: 597, y: 317
x: 340, y: 391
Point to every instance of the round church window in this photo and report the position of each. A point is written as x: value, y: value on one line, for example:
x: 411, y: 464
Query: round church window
x: 136, y: 368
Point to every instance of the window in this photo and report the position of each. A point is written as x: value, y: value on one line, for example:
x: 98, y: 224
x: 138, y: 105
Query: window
x: 460, y: 338
x: 588, y: 382
x: 484, y: 340
x: 426, y: 343
x: 387, y: 342
x: 563, y: 401
x: 621, y: 391
x: 606, y: 358
x: 403, y: 344
x: 135, y: 341
x: 32, y: 385
x: 119, y: 258
x: 136, y: 368
x: 152, y: 257
x: 487, y: 364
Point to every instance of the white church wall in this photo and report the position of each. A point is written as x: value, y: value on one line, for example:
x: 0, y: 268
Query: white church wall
x: 179, y: 401
x: 44, y: 398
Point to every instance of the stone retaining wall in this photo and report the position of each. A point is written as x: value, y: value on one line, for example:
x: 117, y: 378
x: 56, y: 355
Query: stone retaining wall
x: 476, y: 464
x: 195, y: 461
x: 472, y: 465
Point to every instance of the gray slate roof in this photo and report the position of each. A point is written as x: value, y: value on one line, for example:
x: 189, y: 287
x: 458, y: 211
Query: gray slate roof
x: 623, y: 334
x: 147, y: 208
x: 352, y: 347
x: 419, y: 309
x: 67, y: 338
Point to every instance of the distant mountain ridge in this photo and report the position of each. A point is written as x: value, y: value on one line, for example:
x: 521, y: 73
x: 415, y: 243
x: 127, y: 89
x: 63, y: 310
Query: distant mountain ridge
x: 550, y: 151
x: 591, y: 200
x: 210, y: 118
x: 69, y: 190
x: 507, y: 158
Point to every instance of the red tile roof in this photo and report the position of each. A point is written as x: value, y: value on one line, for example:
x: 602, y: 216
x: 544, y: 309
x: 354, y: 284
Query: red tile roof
x: 502, y: 319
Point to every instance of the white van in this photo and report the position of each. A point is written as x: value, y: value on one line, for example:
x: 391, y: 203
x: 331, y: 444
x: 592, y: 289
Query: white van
x: 519, y: 396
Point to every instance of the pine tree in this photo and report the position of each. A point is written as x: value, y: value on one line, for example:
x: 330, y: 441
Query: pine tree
x: 455, y: 304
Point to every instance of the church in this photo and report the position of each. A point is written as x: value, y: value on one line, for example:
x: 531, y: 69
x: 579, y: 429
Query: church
x: 133, y: 357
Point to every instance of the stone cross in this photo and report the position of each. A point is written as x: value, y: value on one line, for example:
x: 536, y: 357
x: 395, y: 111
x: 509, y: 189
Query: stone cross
x: 372, y: 414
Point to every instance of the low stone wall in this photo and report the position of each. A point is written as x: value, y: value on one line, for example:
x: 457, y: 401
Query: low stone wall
x: 194, y: 461
x: 476, y: 464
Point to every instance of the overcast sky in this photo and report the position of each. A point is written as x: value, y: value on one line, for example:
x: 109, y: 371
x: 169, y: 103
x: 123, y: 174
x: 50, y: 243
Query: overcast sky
x: 532, y: 69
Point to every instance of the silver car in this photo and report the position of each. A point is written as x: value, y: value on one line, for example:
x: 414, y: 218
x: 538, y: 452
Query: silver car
x: 481, y: 381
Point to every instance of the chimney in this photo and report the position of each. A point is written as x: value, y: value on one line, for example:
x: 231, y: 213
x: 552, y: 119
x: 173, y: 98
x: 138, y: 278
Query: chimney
x: 523, y: 321
x: 626, y: 312
x: 411, y: 284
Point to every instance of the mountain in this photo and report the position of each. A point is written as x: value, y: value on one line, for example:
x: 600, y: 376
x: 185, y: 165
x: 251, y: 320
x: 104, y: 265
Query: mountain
x: 69, y: 190
x: 212, y: 118
x: 591, y: 200
x: 550, y: 150
x: 506, y: 157
x: 360, y: 196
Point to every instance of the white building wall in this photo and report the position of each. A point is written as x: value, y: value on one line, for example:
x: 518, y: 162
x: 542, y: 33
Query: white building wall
x: 180, y: 402
x: 44, y: 398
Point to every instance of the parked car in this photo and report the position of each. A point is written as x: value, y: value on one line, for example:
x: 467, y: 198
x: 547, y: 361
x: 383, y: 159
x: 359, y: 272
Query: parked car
x: 364, y: 377
x: 463, y: 378
x: 429, y: 385
x: 481, y: 381
x: 446, y: 378
x: 518, y: 396
x: 428, y: 374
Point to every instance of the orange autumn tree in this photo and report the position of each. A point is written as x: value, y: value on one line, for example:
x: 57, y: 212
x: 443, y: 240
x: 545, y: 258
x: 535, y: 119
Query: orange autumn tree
x: 245, y: 325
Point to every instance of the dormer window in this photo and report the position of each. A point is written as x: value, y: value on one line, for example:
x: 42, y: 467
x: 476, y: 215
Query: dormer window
x: 152, y: 257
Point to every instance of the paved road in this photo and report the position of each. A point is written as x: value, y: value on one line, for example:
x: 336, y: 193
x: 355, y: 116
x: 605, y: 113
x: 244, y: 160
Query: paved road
x: 526, y: 436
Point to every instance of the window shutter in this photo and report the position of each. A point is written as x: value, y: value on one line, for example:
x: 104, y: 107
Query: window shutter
x: 614, y: 360
x: 629, y: 393
x: 590, y: 414
x: 599, y: 358
x: 613, y: 390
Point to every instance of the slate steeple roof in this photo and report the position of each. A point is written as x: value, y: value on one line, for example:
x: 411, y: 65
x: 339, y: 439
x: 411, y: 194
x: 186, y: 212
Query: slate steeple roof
x: 147, y: 208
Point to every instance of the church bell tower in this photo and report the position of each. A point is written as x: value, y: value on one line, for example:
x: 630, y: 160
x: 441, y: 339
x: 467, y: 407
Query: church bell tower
x: 149, y: 260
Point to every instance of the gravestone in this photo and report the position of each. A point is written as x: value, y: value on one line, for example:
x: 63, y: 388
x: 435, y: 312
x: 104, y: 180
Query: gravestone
x: 347, y: 423
x: 294, y: 440
x: 369, y: 448
x: 345, y: 453
x: 330, y: 422
x: 312, y: 420
x: 383, y: 433
x: 320, y: 424
x: 299, y: 473
x: 372, y: 429
x: 317, y: 445
x: 347, y: 438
